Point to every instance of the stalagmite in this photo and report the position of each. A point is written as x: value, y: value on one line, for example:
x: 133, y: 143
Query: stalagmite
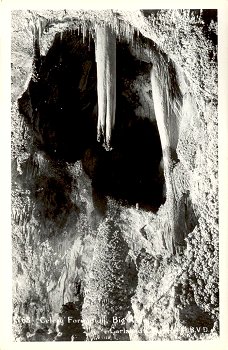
x: 106, y: 83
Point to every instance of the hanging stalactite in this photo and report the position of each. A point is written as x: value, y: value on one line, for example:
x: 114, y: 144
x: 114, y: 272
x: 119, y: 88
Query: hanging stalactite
x: 163, y: 104
x: 106, y: 83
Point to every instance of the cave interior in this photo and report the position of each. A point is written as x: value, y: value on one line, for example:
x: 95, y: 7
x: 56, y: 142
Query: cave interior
x: 60, y: 109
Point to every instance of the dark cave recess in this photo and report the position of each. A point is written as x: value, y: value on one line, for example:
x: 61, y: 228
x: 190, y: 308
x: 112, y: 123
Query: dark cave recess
x: 60, y: 108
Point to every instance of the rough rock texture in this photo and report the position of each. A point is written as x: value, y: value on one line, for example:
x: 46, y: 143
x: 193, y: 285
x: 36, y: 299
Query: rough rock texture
x: 57, y: 207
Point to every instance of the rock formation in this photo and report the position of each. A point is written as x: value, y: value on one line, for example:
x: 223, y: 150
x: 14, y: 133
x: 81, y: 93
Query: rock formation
x: 144, y: 83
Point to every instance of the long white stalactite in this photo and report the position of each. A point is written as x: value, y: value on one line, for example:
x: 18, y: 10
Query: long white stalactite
x: 162, y: 113
x: 106, y: 83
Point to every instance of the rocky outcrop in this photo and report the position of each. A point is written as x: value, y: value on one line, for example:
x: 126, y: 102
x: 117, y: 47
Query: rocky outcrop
x: 65, y: 184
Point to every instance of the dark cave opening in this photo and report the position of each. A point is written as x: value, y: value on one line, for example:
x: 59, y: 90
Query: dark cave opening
x: 62, y: 97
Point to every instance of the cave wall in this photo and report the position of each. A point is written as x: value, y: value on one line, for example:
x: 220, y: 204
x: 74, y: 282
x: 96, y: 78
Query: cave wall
x: 193, y: 171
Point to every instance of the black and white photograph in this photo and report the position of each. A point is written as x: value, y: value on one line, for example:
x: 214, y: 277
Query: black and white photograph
x: 114, y: 175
